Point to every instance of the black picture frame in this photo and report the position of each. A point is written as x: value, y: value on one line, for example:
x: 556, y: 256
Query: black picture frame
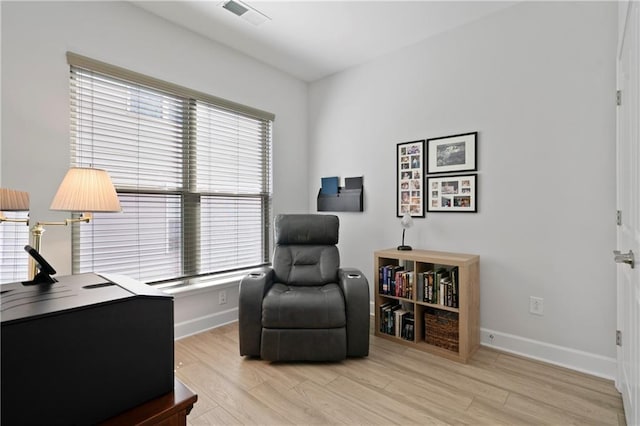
x: 455, y: 153
x: 410, y: 196
x: 455, y: 193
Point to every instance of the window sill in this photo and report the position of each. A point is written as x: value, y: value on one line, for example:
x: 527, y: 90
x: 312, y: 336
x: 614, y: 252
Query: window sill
x: 203, y: 284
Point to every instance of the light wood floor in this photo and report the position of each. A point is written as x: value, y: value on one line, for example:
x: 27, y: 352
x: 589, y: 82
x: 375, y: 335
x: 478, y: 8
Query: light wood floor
x: 393, y: 385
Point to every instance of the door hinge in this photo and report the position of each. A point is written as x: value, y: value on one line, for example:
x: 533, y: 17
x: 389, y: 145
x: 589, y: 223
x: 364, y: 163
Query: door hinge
x: 619, y: 97
x: 619, y: 217
x: 618, y: 338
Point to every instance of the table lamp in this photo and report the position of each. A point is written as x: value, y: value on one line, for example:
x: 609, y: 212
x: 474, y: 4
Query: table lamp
x: 406, y: 222
x: 13, y: 201
x: 84, y: 190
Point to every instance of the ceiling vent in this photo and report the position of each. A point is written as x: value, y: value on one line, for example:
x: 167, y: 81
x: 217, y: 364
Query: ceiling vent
x: 245, y: 11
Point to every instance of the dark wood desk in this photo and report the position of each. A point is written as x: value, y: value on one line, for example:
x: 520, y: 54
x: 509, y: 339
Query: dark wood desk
x: 170, y: 409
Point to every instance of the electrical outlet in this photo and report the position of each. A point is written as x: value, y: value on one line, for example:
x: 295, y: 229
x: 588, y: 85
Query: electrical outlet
x: 536, y: 305
x: 222, y: 297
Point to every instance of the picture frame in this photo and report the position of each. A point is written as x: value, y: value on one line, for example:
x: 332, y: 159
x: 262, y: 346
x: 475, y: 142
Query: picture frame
x: 456, y: 153
x: 410, y: 158
x: 452, y: 193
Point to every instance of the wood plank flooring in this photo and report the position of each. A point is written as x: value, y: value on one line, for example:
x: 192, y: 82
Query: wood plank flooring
x: 394, y: 385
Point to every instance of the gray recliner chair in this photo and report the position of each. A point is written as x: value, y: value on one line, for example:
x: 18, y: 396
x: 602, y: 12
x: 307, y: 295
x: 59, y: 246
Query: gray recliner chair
x: 305, y: 307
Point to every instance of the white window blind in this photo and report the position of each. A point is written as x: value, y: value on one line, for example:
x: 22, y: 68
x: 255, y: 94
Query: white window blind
x: 15, y: 261
x: 193, y: 178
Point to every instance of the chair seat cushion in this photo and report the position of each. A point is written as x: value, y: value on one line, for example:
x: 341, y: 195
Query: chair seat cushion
x: 312, y: 307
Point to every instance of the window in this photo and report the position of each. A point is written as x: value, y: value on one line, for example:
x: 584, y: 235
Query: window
x: 193, y: 174
x: 15, y: 261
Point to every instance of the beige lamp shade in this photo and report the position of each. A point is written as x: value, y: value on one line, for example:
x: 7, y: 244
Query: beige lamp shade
x: 13, y: 201
x: 86, y: 190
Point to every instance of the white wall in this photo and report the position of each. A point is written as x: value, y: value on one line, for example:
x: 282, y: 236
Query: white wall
x: 537, y: 81
x: 35, y: 101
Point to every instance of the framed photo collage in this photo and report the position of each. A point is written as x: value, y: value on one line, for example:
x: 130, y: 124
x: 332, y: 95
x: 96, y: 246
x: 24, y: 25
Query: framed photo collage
x: 446, y: 187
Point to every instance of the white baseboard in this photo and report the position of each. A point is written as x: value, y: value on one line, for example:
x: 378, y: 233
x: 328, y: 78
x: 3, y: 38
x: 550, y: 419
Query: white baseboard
x: 585, y: 362
x: 207, y: 322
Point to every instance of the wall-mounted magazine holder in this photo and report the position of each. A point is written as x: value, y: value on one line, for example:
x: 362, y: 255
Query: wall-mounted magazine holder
x: 346, y: 199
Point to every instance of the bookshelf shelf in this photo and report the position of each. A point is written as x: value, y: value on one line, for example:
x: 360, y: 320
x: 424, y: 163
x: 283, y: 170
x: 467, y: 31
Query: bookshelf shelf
x: 435, y: 306
x: 448, y: 328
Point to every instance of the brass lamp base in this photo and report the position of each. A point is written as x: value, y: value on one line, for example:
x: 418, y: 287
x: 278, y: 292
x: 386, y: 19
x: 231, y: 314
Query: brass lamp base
x: 38, y: 230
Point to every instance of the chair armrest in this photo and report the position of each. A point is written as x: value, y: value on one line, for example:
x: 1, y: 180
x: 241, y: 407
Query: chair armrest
x: 355, y: 288
x: 253, y: 288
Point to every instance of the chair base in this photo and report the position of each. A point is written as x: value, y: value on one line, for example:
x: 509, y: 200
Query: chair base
x: 328, y: 344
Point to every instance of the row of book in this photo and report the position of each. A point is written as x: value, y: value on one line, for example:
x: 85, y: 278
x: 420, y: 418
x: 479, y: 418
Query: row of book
x: 396, y: 321
x: 438, y: 286
x: 395, y: 281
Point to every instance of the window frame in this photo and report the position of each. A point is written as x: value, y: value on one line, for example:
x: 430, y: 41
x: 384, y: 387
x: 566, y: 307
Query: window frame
x: 190, y: 198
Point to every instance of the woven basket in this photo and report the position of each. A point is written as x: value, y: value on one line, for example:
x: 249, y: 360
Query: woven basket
x: 441, y: 329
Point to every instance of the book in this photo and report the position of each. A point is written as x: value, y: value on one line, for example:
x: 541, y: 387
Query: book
x: 399, y: 284
x: 383, y: 316
x: 408, y: 285
x: 404, y: 284
x: 429, y: 282
x: 329, y: 185
x: 391, y: 277
x: 421, y: 287
x: 408, y: 327
x: 399, y: 320
x: 438, y: 287
x: 382, y: 279
x: 454, y: 279
x: 387, y: 317
x: 353, y: 182
x: 445, y: 284
x: 391, y: 323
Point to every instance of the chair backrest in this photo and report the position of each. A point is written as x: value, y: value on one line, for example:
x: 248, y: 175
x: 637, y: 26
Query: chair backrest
x: 306, y: 252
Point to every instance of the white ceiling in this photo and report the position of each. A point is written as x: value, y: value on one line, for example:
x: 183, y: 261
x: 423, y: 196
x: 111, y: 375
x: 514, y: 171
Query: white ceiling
x: 313, y: 39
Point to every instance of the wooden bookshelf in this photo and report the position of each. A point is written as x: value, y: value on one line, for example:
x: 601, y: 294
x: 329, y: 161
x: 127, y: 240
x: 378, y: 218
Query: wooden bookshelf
x: 468, y: 299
